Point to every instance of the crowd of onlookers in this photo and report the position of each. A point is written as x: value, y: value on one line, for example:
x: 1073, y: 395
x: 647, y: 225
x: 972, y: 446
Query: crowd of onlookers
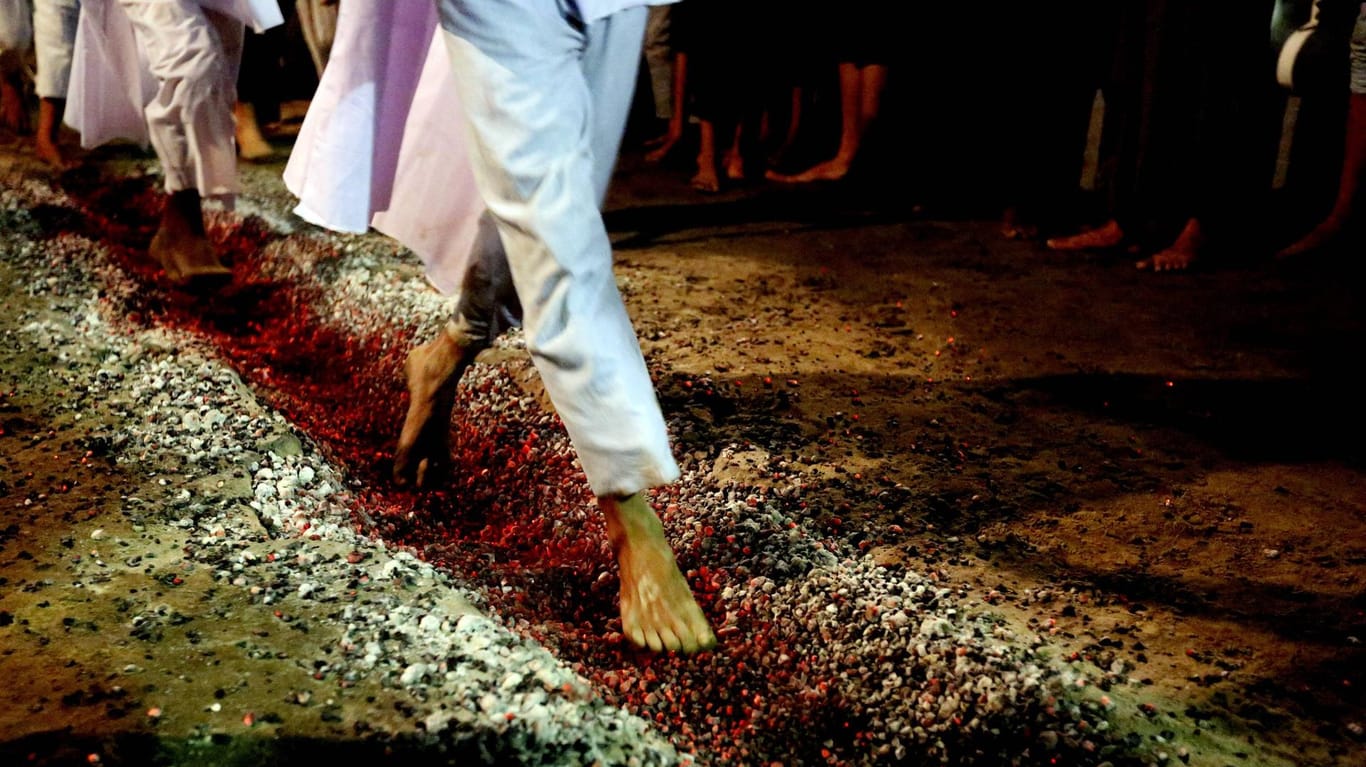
x: 994, y: 101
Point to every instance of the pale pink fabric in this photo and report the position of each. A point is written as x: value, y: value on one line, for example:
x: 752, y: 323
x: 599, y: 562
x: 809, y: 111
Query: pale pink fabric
x: 383, y: 143
x: 260, y: 15
x: 110, y: 82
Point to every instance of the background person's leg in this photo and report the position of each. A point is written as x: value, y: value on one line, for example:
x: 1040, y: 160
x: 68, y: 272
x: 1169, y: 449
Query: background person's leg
x: 54, y: 40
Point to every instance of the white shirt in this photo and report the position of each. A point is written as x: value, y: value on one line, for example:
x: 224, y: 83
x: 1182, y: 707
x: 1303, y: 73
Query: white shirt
x: 592, y: 10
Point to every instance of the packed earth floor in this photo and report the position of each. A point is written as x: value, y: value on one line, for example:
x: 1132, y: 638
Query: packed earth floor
x: 947, y: 498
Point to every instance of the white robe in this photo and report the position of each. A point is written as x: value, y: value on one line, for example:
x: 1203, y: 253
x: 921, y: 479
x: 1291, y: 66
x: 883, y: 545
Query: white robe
x: 387, y: 142
x: 110, y: 80
x: 383, y: 143
x: 54, y: 40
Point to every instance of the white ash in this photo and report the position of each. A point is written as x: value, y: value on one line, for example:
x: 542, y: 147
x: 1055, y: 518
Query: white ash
x: 877, y: 635
x: 189, y: 422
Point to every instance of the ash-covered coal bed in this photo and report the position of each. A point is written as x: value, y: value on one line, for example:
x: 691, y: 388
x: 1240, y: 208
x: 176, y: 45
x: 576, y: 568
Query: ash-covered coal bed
x: 290, y: 379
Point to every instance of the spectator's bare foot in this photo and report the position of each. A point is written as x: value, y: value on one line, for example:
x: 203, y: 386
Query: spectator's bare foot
x: 1013, y: 227
x: 294, y: 110
x: 661, y: 150
x: 661, y: 146
x: 830, y: 170
x: 706, y: 181
x: 1321, y: 236
x: 735, y: 166
x: 1180, y: 255
x: 424, y: 445
x: 251, y: 145
x: 13, y: 115
x: 1109, y: 235
x: 657, y: 607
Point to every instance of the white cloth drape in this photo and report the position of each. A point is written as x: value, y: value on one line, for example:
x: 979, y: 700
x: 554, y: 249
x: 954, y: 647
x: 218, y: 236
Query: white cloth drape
x: 383, y: 143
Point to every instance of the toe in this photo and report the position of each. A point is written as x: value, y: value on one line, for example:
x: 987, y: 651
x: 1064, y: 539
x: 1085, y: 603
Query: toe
x: 668, y: 640
x: 706, y: 638
x: 636, y: 635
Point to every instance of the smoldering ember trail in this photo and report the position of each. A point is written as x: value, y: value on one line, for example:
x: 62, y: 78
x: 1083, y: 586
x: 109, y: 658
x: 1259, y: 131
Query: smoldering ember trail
x: 947, y: 498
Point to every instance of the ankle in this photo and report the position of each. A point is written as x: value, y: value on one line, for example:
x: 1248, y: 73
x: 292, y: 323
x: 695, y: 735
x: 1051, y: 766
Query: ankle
x: 629, y: 520
x: 183, y: 215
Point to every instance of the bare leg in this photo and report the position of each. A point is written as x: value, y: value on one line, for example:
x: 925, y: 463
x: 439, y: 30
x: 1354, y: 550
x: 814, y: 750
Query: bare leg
x: 872, y: 79
x: 1014, y: 227
x: 735, y: 159
x: 836, y: 167
x: 665, y: 144
x: 860, y: 100
x: 793, y: 124
x: 1109, y: 235
x: 433, y: 371
x: 181, y: 245
x: 13, y: 116
x: 1349, y: 186
x: 251, y: 145
x: 1181, y: 254
x: 48, y: 132
x: 706, y: 180
x: 657, y: 607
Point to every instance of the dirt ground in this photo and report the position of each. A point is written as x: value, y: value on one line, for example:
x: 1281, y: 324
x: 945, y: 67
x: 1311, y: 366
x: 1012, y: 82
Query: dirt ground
x: 1180, y: 449
x: 1165, y: 469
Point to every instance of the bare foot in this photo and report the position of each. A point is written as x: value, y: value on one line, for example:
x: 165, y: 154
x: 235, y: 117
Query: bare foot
x: 433, y: 370
x: 657, y: 607
x: 1013, y: 227
x: 181, y: 246
x: 830, y: 170
x: 1173, y: 259
x: 294, y: 109
x: 50, y: 153
x: 735, y: 166
x: 660, y: 152
x: 706, y: 181
x: 251, y: 145
x: 1109, y: 235
x: 188, y: 259
x: 49, y: 125
x: 661, y: 146
x: 1180, y: 255
x: 1326, y: 233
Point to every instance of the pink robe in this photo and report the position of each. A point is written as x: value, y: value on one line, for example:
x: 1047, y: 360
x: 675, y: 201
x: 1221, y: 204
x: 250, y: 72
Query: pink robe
x: 383, y: 143
x: 110, y: 82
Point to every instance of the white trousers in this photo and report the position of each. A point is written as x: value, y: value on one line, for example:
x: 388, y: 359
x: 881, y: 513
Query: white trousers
x: 194, y: 54
x: 546, y: 99
x: 54, y: 42
x: 659, y: 59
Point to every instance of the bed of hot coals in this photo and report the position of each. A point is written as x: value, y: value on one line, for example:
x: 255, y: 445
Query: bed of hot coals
x: 289, y: 379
